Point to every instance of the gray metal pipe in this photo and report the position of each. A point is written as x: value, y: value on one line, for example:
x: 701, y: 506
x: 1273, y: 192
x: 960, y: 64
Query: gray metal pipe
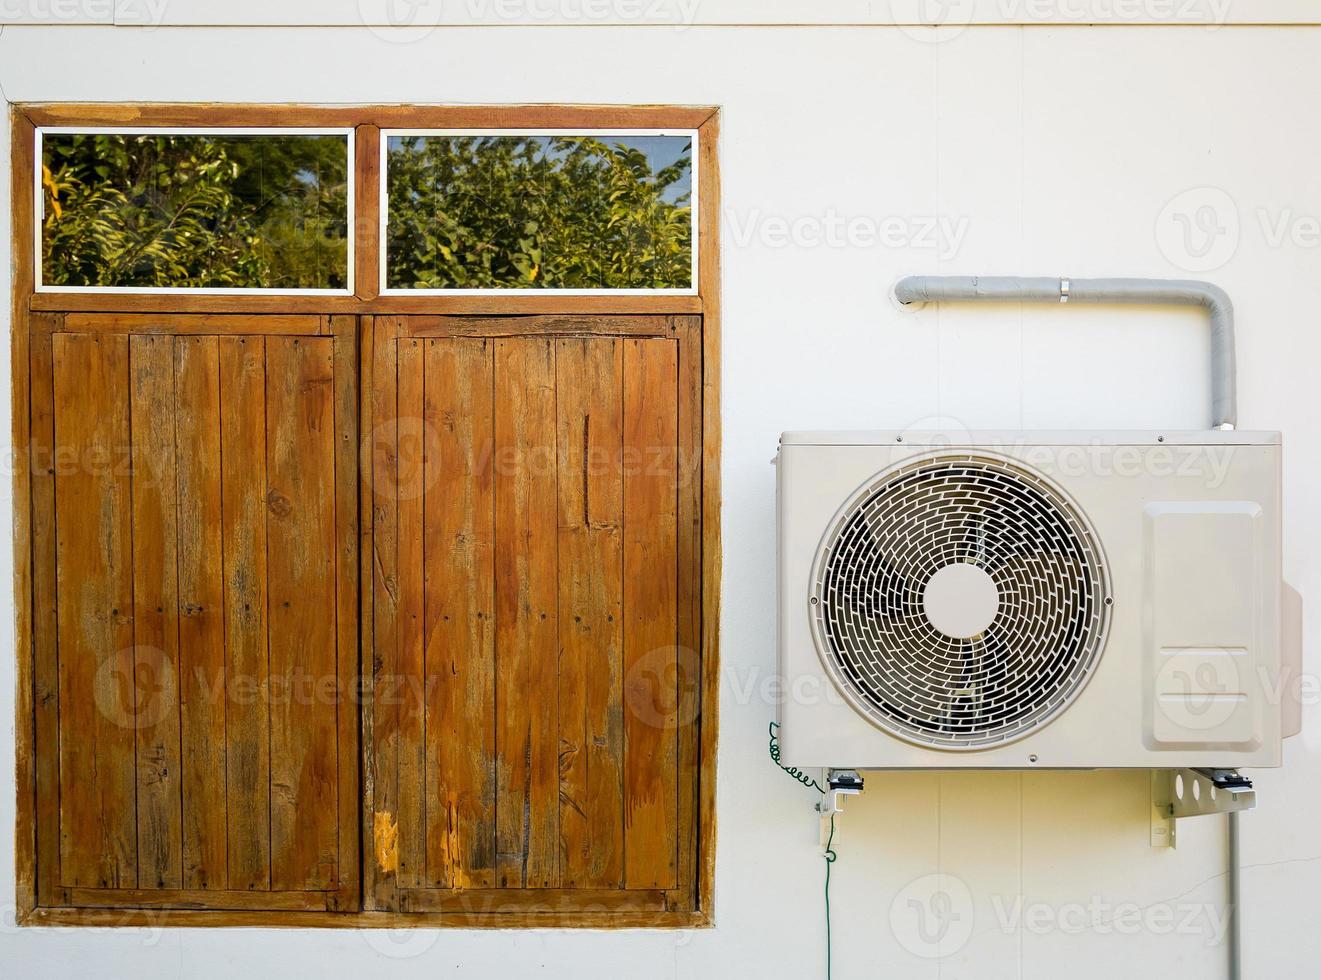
x: 1047, y: 289
x: 1235, y: 924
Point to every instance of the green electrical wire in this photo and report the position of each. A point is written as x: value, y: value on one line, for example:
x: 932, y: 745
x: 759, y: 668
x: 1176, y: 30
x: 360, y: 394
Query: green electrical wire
x: 830, y: 859
x: 798, y: 774
x: 803, y: 779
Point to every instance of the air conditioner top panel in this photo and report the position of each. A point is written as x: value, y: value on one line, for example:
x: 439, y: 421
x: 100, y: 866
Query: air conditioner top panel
x: 1009, y: 438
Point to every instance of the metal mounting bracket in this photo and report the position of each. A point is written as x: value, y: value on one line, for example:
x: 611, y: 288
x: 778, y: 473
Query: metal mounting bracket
x: 1177, y: 793
x: 839, y: 784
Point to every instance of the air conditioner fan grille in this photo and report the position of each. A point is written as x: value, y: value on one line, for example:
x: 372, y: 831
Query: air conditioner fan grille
x: 1018, y: 670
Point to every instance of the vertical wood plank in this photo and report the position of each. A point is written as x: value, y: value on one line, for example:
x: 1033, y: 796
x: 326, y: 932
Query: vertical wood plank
x: 300, y: 562
x: 411, y: 450
x: 363, y: 463
x: 156, y: 613
x: 459, y: 608
x: 344, y: 329
x: 689, y: 706
x: 367, y: 217
x: 28, y: 723
x: 650, y: 613
x: 708, y: 250
x: 380, y: 462
x: 202, y: 668
x: 527, y: 812
x: 94, y: 609
x: 589, y: 422
x: 243, y: 533
x: 46, y: 829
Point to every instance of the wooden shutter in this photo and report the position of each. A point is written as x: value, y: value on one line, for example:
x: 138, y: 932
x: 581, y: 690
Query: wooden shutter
x: 535, y: 593
x: 195, y: 585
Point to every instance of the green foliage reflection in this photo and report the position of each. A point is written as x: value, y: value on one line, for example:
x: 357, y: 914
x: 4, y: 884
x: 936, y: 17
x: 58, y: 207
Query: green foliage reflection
x: 474, y: 212
x: 195, y: 211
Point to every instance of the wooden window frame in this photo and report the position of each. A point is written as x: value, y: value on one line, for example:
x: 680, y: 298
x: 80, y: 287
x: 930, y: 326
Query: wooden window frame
x: 367, y: 301
x: 368, y: 123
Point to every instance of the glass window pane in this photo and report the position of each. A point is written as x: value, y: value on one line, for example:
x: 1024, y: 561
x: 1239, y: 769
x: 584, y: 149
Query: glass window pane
x: 539, y: 212
x: 262, y: 211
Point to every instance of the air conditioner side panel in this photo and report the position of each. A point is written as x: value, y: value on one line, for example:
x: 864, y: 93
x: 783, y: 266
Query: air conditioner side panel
x: 1203, y: 624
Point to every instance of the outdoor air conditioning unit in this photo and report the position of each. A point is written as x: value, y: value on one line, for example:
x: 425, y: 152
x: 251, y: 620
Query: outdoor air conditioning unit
x: 1020, y: 599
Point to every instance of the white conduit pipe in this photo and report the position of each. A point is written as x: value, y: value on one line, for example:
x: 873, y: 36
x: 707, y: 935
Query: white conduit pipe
x: 1235, y: 925
x: 1224, y: 394
x: 1045, y: 289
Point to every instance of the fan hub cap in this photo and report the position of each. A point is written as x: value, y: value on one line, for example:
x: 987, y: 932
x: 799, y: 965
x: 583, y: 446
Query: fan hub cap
x: 961, y: 600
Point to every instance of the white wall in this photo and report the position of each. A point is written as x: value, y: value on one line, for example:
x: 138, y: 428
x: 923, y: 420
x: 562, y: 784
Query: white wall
x: 1051, y: 150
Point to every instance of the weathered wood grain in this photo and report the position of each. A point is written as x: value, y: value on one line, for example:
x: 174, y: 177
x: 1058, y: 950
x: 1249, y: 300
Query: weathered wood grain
x: 300, y: 528
x: 589, y: 408
x: 94, y: 600
x: 511, y: 302
x: 380, y: 463
x: 577, y: 415
x: 460, y: 614
x: 255, y: 316
x: 156, y: 613
x: 367, y: 212
x: 492, y: 915
x: 201, y: 467
x: 243, y: 536
x: 411, y: 445
x: 708, y: 253
x: 23, y: 407
x: 348, y: 744
x: 202, y: 666
x: 565, y: 325
x: 199, y: 324
x: 527, y: 771
x: 650, y: 613
x: 392, y: 116
x: 211, y: 900
x: 688, y: 662
x: 363, y: 463
x: 45, y: 680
